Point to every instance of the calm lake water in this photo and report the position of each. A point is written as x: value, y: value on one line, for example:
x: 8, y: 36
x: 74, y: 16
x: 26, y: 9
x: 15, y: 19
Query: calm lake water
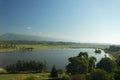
x: 57, y: 57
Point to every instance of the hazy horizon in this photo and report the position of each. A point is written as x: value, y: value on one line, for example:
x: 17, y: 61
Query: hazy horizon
x: 91, y: 21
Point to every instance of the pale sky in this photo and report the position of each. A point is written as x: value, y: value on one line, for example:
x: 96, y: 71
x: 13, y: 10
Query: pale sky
x: 95, y: 21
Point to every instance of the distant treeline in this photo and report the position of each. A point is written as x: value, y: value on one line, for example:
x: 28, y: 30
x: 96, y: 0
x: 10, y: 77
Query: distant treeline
x: 26, y: 42
x: 26, y: 66
x: 113, y: 48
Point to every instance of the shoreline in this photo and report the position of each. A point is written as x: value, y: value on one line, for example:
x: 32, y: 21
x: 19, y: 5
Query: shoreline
x: 43, y: 47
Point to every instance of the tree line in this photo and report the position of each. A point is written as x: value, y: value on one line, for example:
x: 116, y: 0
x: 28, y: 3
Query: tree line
x: 113, y: 48
x: 80, y: 67
x: 27, y: 42
x: 83, y: 67
x: 26, y: 66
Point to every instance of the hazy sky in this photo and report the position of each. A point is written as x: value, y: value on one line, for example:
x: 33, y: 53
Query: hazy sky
x: 77, y: 20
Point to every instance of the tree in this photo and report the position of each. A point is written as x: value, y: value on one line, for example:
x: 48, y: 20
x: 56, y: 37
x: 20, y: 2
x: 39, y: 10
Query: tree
x: 118, y: 61
x: 32, y: 66
x: 92, y: 61
x: 78, y: 77
x: 107, y: 64
x: 83, y: 55
x: 78, y: 64
x: 98, y: 74
x: 54, y: 73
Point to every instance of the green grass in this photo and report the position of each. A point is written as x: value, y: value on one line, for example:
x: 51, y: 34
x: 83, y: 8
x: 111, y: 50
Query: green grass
x: 7, y: 50
x: 36, y: 47
x: 22, y: 76
x: 41, y: 47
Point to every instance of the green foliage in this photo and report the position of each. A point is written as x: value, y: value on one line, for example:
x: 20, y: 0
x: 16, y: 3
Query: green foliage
x: 117, y: 75
x: 24, y: 66
x: 31, y: 78
x: 107, y: 64
x: 118, y: 61
x: 113, y: 48
x: 81, y: 63
x: 54, y: 73
x: 65, y: 76
x: 77, y: 65
x: 98, y: 74
x: 92, y: 61
x: 2, y: 71
x: 78, y: 77
x: 83, y: 55
x: 97, y: 51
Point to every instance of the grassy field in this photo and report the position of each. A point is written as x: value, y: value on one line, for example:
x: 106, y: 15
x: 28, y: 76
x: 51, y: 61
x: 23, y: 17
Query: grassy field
x: 39, y: 76
x: 36, y: 47
x: 41, y: 47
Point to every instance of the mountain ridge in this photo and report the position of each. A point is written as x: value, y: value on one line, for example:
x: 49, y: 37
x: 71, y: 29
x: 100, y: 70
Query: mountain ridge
x: 16, y: 36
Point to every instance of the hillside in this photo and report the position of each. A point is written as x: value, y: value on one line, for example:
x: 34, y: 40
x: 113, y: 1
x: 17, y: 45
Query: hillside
x: 13, y: 36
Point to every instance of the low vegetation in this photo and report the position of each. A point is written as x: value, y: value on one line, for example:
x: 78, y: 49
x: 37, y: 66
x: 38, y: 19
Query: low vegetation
x: 113, y: 50
x: 39, y: 76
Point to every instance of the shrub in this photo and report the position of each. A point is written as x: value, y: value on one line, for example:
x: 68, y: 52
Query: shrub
x: 78, y: 77
x: 65, y: 76
x: 31, y: 78
x: 99, y: 74
x: 54, y: 73
x: 2, y: 71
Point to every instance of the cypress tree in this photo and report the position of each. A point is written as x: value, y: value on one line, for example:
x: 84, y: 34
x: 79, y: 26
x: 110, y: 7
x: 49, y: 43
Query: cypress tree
x: 54, y: 73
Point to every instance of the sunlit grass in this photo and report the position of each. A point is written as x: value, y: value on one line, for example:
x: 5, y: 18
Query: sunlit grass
x: 7, y: 50
x: 43, y: 47
x: 37, y: 47
x: 22, y: 76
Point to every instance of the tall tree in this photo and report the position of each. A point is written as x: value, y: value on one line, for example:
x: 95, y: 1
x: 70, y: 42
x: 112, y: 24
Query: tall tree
x: 107, y: 64
x: 78, y: 64
x: 54, y: 73
x: 92, y: 61
x: 98, y: 74
x: 83, y: 55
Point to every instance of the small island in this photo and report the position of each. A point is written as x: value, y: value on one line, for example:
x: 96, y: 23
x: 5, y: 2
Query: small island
x: 98, y: 51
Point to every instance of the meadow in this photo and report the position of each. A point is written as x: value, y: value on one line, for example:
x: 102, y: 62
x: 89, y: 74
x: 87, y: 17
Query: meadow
x: 23, y: 76
x: 41, y: 47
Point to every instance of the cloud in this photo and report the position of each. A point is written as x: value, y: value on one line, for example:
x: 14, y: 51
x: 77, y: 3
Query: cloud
x: 29, y: 28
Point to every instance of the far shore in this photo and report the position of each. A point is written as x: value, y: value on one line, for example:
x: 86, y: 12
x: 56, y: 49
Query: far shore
x: 45, y: 47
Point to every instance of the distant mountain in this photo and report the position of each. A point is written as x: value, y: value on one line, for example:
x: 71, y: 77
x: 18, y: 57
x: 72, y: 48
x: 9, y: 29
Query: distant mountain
x: 13, y: 36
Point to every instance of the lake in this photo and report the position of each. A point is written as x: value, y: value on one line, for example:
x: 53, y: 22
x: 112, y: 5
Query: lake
x: 57, y: 57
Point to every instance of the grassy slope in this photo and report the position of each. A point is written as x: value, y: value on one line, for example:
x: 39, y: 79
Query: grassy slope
x: 115, y: 54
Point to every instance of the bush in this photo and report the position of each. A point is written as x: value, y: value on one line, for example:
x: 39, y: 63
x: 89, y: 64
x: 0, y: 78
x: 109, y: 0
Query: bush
x: 54, y: 73
x: 31, y: 78
x: 65, y: 76
x: 117, y: 75
x: 2, y: 71
x: 99, y: 74
x: 19, y: 77
x: 78, y: 77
